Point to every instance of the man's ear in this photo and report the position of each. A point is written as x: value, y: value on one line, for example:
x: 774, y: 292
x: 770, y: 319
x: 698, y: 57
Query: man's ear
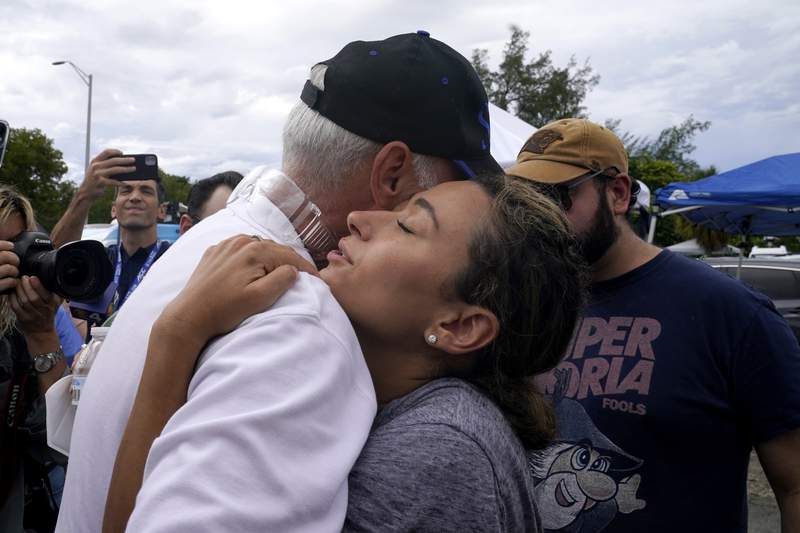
x: 184, y: 224
x: 620, y: 189
x: 468, y: 329
x: 392, y: 179
x: 113, y: 211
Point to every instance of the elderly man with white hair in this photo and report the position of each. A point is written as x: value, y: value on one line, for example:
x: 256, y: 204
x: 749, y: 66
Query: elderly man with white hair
x: 279, y: 409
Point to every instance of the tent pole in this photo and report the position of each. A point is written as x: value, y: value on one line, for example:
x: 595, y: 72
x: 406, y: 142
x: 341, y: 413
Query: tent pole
x: 739, y: 268
x: 652, y: 233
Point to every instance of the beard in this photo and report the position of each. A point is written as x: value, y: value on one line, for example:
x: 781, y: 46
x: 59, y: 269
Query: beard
x: 601, y: 235
x: 7, y: 317
x: 135, y: 225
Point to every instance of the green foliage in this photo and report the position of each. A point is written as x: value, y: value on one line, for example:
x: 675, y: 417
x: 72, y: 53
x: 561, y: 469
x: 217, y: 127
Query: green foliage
x: 100, y: 212
x: 656, y: 173
x: 176, y: 187
x: 536, y: 91
x: 674, y: 144
x: 664, y: 160
x: 36, y: 169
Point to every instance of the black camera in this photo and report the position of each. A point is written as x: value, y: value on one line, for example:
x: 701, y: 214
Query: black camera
x: 78, y: 270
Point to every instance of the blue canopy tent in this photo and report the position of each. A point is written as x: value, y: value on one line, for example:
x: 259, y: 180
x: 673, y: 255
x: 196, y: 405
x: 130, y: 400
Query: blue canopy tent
x: 762, y: 198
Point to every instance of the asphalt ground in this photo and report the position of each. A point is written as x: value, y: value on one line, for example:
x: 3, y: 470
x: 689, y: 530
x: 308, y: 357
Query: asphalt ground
x: 763, y: 510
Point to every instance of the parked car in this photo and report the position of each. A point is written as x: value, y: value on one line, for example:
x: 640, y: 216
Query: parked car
x: 773, y: 252
x: 779, y: 279
x: 108, y: 233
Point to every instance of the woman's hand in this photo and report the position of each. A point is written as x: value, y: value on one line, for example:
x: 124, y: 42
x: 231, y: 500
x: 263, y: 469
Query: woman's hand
x: 234, y: 280
x: 34, y: 306
x: 9, y: 265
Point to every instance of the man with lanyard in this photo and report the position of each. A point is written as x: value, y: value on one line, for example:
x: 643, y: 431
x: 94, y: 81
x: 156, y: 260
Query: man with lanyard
x: 137, y: 208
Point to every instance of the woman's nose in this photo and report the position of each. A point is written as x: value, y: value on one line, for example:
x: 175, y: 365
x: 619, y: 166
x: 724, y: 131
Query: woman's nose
x: 357, y: 223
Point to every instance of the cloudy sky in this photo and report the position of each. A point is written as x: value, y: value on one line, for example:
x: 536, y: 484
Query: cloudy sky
x: 206, y: 84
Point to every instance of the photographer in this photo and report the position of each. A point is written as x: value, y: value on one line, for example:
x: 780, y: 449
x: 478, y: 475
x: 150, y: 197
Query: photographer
x: 31, y: 360
x: 137, y: 207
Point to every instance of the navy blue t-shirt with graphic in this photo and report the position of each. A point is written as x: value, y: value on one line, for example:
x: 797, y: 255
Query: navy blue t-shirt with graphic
x: 674, y: 373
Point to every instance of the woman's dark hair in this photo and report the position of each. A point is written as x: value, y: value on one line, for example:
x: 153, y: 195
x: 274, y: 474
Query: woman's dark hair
x: 525, y: 268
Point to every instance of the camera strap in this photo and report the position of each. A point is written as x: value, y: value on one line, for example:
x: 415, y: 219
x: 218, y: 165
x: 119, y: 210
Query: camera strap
x: 151, y: 258
x: 14, y: 410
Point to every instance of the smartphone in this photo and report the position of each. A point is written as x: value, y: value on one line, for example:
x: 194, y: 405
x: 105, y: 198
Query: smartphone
x: 4, y: 133
x: 146, y: 168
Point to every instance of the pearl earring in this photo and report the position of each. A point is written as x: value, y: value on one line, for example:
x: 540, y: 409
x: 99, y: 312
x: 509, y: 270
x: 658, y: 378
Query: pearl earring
x: 431, y: 339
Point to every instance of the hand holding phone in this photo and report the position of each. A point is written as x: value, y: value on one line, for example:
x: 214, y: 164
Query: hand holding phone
x: 110, y: 167
x: 145, y: 168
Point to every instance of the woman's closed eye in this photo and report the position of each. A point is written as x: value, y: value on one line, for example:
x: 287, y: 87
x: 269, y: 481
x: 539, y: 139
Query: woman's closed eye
x: 404, y: 227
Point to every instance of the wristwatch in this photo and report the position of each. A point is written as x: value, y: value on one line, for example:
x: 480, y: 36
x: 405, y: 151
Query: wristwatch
x: 45, y: 362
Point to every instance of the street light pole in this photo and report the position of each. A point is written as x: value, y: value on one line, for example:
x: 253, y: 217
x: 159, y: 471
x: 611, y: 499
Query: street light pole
x: 87, y: 79
x: 88, y: 125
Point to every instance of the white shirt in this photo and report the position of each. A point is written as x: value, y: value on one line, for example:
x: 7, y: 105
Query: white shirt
x: 277, y: 411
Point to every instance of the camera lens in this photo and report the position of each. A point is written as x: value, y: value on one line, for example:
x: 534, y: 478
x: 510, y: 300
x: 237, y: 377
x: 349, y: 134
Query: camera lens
x: 73, y: 272
x: 150, y: 160
x: 83, y: 270
x: 73, y: 275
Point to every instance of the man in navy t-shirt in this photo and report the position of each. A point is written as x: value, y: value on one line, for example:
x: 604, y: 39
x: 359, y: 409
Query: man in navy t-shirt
x: 674, y: 374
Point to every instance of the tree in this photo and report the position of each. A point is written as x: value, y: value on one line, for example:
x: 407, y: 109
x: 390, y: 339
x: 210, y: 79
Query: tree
x: 176, y: 187
x: 36, y: 169
x: 656, y: 173
x: 674, y: 144
x: 536, y: 91
x: 665, y: 160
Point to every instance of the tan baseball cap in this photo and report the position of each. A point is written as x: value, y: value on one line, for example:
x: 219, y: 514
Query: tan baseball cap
x: 568, y: 148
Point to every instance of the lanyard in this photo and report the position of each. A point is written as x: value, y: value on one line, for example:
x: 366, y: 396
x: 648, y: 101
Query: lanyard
x: 139, y: 277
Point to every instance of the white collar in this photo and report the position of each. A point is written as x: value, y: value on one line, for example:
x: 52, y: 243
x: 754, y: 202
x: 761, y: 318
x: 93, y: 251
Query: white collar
x: 302, y: 215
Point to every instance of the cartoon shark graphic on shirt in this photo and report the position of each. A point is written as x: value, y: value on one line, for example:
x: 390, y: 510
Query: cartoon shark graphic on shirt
x: 583, y: 480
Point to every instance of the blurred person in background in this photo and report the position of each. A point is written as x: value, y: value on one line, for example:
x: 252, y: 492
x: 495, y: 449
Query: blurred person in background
x: 208, y: 196
x: 31, y: 359
x: 137, y: 207
x: 675, y: 373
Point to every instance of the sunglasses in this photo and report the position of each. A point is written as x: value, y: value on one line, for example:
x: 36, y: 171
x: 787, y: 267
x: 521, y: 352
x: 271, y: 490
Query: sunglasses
x: 562, y: 192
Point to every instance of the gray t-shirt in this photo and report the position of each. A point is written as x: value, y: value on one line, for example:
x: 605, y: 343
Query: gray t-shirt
x: 442, y: 458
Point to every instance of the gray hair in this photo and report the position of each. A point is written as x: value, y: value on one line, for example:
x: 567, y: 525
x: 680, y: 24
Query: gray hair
x: 321, y: 154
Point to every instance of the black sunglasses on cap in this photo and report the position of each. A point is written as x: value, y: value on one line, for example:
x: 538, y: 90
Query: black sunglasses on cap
x: 562, y: 192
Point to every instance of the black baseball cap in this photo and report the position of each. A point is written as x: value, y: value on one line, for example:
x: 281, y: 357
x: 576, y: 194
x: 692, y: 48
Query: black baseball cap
x: 409, y: 88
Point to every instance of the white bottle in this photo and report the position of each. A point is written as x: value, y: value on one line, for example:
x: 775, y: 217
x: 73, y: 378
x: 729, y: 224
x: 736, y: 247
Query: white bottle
x: 84, y: 361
